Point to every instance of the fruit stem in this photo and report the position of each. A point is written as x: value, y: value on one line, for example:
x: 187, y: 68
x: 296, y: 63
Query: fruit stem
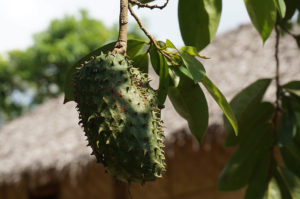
x: 121, y: 45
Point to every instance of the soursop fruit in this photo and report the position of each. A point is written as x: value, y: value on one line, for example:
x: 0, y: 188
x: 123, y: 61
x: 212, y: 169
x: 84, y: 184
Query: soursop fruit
x: 119, y: 113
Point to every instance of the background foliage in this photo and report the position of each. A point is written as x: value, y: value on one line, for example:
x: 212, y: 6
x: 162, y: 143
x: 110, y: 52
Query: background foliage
x: 29, y: 77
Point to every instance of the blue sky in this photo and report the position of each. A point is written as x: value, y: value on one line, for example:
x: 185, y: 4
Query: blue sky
x: 19, y: 19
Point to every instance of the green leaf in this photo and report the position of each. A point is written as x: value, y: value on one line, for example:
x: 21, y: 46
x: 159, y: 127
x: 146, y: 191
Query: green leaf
x: 291, y: 7
x: 263, y: 16
x: 287, y: 183
x: 244, y: 102
x: 291, y: 155
x: 199, y: 21
x: 169, y: 44
x: 287, y: 127
x: 160, y: 66
x: 241, y: 165
x: 141, y: 61
x: 194, y: 66
x: 133, y: 47
x: 260, y: 114
x: 155, y: 58
x: 294, y: 85
x: 185, y: 71
x: 272, y: 191
x: 189, y: 101
x: 281, y: 7
x: 221, y: 101
x: 163, y: 81
x: 293, y: 183
x: 174, y: 76
x: 191, y: 50
x: 258, y: 184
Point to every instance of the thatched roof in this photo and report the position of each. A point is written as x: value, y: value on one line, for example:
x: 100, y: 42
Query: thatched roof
x: 49, y: 139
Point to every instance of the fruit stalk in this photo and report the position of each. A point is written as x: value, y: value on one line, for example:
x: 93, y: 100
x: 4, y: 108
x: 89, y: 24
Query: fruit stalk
x: 121, y: 45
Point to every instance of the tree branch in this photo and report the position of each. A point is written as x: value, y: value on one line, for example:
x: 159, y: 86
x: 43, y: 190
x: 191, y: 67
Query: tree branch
x: 121, y: 45
x: 145, y: 5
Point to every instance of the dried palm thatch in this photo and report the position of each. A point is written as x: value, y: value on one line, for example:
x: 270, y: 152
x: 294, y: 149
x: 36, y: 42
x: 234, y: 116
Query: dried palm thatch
x: 47, y: 143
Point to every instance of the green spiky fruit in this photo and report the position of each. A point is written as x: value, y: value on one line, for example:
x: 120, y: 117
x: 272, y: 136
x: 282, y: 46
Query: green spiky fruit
x: 119, y: 113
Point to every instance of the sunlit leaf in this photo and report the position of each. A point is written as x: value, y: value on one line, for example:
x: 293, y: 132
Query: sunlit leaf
x: 194, y: 66
x: 169, y: 44
x: 281, y: 7
x: 272, y: 191
x: 262, y: 15
x: 174, y: 76
x: 199, y: 21
x: 221, y: 101
x: 191, y: 50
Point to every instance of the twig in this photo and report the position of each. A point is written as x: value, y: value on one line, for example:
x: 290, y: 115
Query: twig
x: 152, y: 40
x: 287, y: 31
x: 121, y: 45
x: 145, y: 5
x: 277, y: 115
x: 277, y: 68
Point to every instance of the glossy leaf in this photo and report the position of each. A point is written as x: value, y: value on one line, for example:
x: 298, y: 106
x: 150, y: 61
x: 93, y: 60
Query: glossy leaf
x: 194, y: 66
x: 241, y: 165
x: 262, y: 15
x: 244, y: 102
x: 198, y: 21
x: 189, y: 101
x: 169, y: 44
x: 258, y: 184
x: 221, y: 101
x: 133, y: 47
x: 281, y: 7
